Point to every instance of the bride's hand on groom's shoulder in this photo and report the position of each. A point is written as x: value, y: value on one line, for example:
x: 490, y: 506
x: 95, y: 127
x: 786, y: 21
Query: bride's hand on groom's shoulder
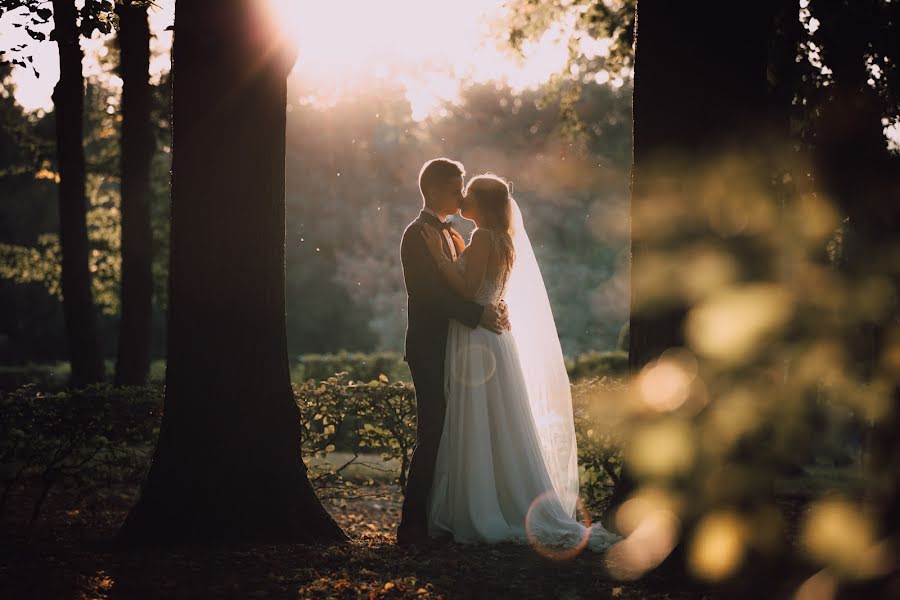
x: 495, y: 318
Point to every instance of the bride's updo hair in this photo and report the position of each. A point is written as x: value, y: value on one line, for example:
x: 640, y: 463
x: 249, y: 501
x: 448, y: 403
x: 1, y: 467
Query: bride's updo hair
x: 491, y: 193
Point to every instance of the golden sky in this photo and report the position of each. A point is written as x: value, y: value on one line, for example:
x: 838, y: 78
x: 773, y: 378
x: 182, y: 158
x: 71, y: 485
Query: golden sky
x: 428, y: 46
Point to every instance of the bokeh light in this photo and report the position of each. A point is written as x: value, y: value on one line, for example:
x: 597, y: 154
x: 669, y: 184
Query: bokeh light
x: 651, y: 541
x: 838, y: 534
x: 544, y: 512
x: 735, y: 323
x: 718, y: 546
x: 662, y: 449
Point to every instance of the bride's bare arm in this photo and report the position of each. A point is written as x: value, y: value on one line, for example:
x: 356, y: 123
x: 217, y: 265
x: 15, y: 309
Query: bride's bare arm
x: 467, y: 282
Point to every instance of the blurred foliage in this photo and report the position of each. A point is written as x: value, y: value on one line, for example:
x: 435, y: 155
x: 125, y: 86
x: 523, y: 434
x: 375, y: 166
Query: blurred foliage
x: 784, y: 257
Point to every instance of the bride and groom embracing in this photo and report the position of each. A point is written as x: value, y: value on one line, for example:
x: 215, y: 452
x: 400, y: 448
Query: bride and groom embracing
x: 495, y: 455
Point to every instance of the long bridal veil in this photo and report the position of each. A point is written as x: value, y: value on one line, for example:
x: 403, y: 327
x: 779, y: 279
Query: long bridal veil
x: 543, y: 366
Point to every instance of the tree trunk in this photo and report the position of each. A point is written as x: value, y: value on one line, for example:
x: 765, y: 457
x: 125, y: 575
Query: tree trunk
x: 68, y: 101
x: 133, y: 362
x: 700, y: 93
x: 855, y: 170
x: 227, y: 465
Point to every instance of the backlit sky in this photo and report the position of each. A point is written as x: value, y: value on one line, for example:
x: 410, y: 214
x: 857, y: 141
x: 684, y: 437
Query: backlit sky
x: 428, y: 46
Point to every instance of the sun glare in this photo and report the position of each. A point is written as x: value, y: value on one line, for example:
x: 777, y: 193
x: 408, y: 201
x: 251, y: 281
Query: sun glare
x: 428, y: 47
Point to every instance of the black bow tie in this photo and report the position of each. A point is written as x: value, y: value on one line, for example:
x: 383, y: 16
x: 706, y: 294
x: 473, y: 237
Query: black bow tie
x: 446, y: 225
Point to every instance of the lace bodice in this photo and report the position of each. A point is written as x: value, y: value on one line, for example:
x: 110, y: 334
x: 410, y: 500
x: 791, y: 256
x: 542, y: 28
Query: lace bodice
x: 492, y: 288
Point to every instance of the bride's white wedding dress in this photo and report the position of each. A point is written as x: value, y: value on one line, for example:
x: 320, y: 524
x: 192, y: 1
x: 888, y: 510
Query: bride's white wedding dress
x: 506, y: 468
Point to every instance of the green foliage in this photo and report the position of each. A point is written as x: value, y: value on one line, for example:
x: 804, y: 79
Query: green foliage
x: 43, y: 376
x: 358, y: 366
x: 87, y: 441
x: 80, y: 440
x: 597, y: 364
x: 599, y: 441
x: 94, y: 15
x: 357, y: 417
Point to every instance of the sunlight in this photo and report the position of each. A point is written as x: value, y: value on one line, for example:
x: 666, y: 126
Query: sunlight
x: 344, y: 48
x: 426, y: 46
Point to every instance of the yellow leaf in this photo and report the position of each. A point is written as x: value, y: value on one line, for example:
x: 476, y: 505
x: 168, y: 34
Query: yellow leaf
x: 383, y: 378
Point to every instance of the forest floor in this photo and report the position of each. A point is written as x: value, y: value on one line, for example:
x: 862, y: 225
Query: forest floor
x: 70, y: 556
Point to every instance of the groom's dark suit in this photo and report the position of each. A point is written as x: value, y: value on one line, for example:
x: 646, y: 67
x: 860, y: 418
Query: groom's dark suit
x: 430, y: 306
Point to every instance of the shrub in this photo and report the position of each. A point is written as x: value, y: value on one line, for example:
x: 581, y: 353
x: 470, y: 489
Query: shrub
x: 598, y: 364
x: 82, y: 440
x: 91, y: 439
x: 357, y: 365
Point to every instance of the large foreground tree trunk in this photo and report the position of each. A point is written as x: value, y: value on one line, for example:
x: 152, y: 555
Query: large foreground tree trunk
x: 78, y: 302
x: 227, y: 466
x: 133, y: 361
x: 700, y: 95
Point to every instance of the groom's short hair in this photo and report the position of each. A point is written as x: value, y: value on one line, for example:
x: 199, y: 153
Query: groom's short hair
x: 438, y: 171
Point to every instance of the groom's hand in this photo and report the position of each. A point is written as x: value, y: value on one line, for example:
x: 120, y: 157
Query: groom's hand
x: 495, y: 318
x: 491, y: 320
x: 503, y: 311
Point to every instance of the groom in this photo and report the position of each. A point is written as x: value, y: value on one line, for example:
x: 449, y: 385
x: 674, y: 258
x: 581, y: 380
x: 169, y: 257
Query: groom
x: 430, y: 306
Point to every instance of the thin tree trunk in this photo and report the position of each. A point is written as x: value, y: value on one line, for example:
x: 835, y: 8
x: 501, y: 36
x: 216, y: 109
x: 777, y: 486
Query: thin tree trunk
x: 133, y: 360
x: 227, y: 465
x: 78, y: 303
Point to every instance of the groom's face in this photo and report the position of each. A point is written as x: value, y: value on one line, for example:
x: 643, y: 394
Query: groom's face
x: 449, y: 196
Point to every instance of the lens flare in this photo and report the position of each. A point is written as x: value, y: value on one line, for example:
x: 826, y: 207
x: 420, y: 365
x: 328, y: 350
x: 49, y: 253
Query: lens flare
x: 543, y: 509
x: 474, y: 366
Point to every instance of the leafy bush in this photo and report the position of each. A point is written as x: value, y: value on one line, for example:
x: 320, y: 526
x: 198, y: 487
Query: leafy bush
x: 81, y: 440
x: 360, y: 418
x: 598, y: 434
x: 48, y: 376
x: 597, y: 364
x: 89, y: 440
x: 358, y: 366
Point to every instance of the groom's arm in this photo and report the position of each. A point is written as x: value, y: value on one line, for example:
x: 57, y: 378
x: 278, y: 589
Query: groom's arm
x: 425, y: 283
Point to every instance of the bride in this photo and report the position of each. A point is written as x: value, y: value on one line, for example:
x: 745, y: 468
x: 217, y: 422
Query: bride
x: 506, y: 468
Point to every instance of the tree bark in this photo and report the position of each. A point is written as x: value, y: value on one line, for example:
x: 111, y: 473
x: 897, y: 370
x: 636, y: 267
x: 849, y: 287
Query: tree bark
x: 133, y: 360
x: 700, y: 94
x: 68, y: 100
x: 227, y: 465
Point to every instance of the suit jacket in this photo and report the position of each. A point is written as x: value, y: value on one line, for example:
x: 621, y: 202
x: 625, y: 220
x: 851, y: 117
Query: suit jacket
x: 429, y: 300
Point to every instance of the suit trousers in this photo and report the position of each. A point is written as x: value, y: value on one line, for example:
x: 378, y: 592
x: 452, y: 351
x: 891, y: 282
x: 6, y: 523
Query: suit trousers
x: 431, y: 404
